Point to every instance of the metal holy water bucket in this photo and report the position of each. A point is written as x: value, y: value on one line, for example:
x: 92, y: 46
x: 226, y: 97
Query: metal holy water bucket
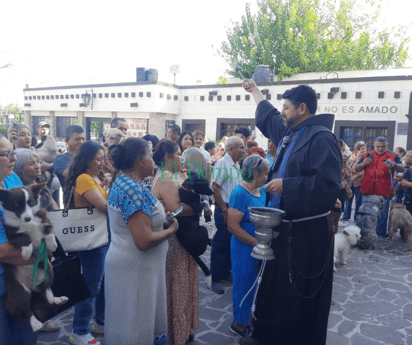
x: 265, y: 219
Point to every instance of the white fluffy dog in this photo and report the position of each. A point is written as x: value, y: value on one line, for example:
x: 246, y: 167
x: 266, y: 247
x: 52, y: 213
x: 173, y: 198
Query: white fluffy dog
x: 349, y: 236
x: 113, y: 136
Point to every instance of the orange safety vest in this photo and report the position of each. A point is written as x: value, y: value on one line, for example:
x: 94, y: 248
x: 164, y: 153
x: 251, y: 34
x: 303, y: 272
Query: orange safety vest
x: 377, y: 179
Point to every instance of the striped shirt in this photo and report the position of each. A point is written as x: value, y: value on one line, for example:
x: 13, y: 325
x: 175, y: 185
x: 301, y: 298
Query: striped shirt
x: 227, y: 175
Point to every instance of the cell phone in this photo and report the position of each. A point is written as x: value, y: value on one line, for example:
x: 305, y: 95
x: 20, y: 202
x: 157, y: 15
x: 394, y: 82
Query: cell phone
x: 174, y: 214
x: 369, y: 155
x: 14, y: 125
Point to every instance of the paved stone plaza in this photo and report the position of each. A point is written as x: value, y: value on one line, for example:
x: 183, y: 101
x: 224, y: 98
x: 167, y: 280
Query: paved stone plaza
x: 372, y: 294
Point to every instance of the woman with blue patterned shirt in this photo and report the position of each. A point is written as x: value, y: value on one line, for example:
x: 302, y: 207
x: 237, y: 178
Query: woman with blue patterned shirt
x: 135, y: 267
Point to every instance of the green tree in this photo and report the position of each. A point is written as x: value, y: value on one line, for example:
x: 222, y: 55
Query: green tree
x: 297, y: 36
x: 222, y: 80
x: 4, y: 111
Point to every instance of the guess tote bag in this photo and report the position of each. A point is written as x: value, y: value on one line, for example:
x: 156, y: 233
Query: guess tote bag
x: 80, y: 229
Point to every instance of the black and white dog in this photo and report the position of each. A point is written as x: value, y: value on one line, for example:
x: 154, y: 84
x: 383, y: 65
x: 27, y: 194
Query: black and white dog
x: 193, y: 237
x: 26, y: 227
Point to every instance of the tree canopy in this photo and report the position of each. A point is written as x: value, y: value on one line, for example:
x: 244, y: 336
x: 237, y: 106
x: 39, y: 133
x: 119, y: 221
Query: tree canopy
x: 298, y: 36
x: 8, y: 109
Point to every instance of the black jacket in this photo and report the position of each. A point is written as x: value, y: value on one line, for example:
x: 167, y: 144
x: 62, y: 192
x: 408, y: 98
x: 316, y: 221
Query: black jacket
x: 313, y: 175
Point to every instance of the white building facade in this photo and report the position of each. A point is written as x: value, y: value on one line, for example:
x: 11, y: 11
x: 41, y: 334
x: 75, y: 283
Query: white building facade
x: 365, y: 103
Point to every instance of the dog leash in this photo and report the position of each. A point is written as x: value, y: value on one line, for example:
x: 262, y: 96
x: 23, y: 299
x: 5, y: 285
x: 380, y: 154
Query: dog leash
x: 390, y: 174
x: 42, y: 251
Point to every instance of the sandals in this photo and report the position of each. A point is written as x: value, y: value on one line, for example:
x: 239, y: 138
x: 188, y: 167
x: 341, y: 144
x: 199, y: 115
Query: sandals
x: 237, y: 331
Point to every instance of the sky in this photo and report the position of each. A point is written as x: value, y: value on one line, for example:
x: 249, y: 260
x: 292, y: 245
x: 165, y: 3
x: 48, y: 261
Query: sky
x: 56, y: 43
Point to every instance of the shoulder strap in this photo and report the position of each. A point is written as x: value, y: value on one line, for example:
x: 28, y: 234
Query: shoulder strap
x: 68, y: 201
x: 156, y: 178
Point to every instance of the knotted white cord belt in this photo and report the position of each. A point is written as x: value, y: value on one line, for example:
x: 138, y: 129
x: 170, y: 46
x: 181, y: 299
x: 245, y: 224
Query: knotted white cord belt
x: 306, y: 218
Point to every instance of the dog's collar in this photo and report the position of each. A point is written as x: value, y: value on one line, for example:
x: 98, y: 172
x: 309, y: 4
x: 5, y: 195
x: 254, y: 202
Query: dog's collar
x: 186, y: 189
x: 397, y: 206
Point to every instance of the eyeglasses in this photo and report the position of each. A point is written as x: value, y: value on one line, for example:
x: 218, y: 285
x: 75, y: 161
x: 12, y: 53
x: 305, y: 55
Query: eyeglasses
x: 8, y: 155
x: 123, y: 129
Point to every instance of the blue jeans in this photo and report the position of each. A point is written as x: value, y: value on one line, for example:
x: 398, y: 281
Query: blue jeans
x: 220, y: 262
x: 383, y: 219
x: 56, y: 196
x: 358, y: 202
x: 92, y: 262
x: 15, y: 330
x: 400, y: 195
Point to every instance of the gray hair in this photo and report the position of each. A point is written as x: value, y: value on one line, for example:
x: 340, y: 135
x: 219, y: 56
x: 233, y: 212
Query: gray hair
x: 252, y: 164
x: 22, y: 156
x: 381, y: 139
x: 232, y: 142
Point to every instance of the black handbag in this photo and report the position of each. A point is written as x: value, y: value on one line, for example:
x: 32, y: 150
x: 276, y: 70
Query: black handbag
x: 68, y: 281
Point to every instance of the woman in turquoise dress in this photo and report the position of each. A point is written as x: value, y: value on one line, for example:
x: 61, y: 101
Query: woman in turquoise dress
x: 249, y: 193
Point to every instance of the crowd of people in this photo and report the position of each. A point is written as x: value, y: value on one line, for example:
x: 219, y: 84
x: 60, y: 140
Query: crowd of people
x: 144, y: 273
x: 375, y: 173
x: 144, y: 285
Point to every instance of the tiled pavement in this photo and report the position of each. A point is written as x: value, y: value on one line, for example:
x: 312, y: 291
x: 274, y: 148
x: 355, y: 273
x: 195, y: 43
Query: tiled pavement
x: 372, y: 294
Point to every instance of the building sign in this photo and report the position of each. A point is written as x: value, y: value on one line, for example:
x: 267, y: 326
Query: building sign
x: 351, y: 109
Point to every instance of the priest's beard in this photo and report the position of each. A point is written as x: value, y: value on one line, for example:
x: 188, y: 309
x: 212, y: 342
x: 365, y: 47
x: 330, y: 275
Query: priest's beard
x: 289, y: 123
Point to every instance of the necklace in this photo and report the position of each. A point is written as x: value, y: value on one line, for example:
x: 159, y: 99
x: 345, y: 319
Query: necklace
x: 132, y: 177
x: 251, y: 191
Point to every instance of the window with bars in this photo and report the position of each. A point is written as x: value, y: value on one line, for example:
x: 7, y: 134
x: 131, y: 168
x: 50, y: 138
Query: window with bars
x: 94, y: 126
x: 372, y: 133
x: 227, y: 127
x: 62, y: 123
x: 351, y: 135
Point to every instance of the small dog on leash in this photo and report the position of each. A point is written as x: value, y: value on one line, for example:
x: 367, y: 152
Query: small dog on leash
x: 367, y: 219
x: 26, y: 227
x: 349, y: 236
x: 113, y: 136
x: 399, y: 217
